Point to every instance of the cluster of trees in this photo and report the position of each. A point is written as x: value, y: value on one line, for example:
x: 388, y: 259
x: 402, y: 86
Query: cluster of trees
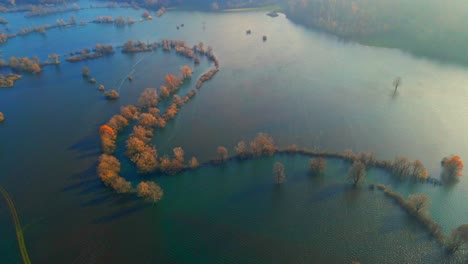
x: 39, y: 29
x: 109, y: 167
x: 262, y: 145
x: 104, y: 49
x: 85, y: 54
x: 118, y: 21
x: 207, y: 76
x: 26, y: 64
x: 108, y: 171
x: 402, y: 168
x: 39, y: 10
x: 138, y: 46
x: 452, y: 169
x: 9, y: 80
x: 140, y: 151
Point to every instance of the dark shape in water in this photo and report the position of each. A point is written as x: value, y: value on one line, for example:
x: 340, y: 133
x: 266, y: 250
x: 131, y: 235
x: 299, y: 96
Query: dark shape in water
x: 248, y: 32
x: 272, y: 14
x: 264, y: 38
x: 130, y: 78
x: 177, y: 27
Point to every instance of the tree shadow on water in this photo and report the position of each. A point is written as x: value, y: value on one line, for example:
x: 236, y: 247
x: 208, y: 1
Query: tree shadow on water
x: 128, y: 206
x: 88, y: 146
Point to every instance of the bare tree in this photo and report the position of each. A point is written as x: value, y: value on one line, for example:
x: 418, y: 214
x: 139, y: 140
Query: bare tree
x: 222, y: 154
x: 396, y: 83
x: 194, y: 163
x: 241, y: 150
x: 357, y: 173
x: 318, y: 165
x: 278, y: 173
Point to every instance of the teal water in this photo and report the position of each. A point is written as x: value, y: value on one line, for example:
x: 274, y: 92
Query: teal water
x: 300, y: 86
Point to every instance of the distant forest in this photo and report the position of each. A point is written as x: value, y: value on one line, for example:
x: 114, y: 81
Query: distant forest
x: 424, y: 27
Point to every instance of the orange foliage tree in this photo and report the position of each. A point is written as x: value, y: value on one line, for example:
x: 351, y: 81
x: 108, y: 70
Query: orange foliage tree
x: 150, y: 191
x: 452, y: 169
x: 185, y: 72
x: 172, y: 81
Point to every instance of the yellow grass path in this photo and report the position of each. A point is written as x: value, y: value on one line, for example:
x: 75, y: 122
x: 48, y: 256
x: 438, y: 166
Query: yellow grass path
x: 19, y: 230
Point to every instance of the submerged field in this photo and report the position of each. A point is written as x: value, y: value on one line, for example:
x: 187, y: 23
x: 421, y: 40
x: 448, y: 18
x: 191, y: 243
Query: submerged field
x: 300, y: 86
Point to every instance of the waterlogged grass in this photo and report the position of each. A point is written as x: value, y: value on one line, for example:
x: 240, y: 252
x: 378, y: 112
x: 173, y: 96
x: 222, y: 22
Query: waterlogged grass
x: 19, y: 230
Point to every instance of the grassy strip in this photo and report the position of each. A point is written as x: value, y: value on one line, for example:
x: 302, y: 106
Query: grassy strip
x: 19, y: 230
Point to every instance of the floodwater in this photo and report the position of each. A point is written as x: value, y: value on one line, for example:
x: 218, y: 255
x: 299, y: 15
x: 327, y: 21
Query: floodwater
x: 300, y: 86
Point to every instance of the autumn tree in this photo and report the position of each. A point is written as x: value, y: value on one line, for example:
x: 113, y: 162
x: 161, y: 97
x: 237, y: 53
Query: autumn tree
x: 134, y: 147
x: 147, y: 120
x: 150, y: 191
x: 171, y: 112
x: 112, y: 95
x: 172, y: 82
x: 278, y: 173
x: 130, y: 112
x: 420, y: 202
x: 146, y: 160
x: 357, y: 173
x: 263, y: 144
x: 193, y: 164
x: 185, y: 72
x: 142, y: 133
x: 222, y: 154
x: 164, y: 92
x: 2, y: 117
x: 241, y: 150
x: 120, y: 185
x: 117, y: 123
x: 108, y: 138
x: 452, y: 168
x: 149, y: 98
x: 318, y: 165
x: 458, y: 238
x: 108, y: 168
x: 179, y: 154
x: 25, y: 64
x: 85, y: 71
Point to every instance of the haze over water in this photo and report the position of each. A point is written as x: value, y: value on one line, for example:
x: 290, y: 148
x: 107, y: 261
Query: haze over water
x: 300, y: 86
